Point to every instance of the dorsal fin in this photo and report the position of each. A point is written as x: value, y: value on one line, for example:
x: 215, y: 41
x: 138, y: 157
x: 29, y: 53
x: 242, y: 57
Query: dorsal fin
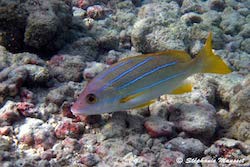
x: 175, y: 54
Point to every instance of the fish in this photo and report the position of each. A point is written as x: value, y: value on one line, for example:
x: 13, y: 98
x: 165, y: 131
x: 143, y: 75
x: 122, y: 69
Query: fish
x: 136, y: 82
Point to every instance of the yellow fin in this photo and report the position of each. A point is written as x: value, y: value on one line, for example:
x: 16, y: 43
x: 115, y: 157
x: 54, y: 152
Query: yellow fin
x: 176, y: 54
x: 209, y: 62
x: 130, y: 97
x: 144, y: 104
x: 184, y: 88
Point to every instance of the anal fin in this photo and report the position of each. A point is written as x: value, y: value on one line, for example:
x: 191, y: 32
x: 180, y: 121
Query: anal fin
x: 144, y: 104
x: 183, y: 88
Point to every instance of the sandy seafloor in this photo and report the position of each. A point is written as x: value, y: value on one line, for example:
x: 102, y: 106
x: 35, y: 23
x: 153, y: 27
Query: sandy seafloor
x: 50, y: 49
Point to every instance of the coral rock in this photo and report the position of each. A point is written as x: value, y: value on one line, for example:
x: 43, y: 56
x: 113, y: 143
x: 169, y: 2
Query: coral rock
x: 11, y: 80
x: 44, y: 137
x: 35, y: 25
x: 190, y: 147
x: 93, y: 69
x: 25, y: 108
x: 239, y: 112
x: 157, y: 127
x: 153, y: 33
x: 37, y: 74
x: 35, y: 133
x: 5, y: 130
x: 158, y: 109
x: 135, y: 123
x: 70, y: 129
x: 119, y: 148
x: 195, y: 119
x: 111, y: 58
x: 191, y: 18
x: 217, y: 5
x: 65, y: 110
x: 89, y: 159
x: 85, y: 47
x: 5, y: 144
x: 71, y: 144
x: 137, y: 141
x: 82, y: 3
x: 170, y: 158
x: 60, y: 94
x: 231, y: 21
x: 115, y: 127
x: 90, y: 119
x: 192, y: 6
x: 48, y: 155
x: 66, y: 68
x: 106, y: 39
x: 9, y: 113
x: 78, y: 12
x: 96, y: 12
x: 26, y: 95
x: 226, y: 148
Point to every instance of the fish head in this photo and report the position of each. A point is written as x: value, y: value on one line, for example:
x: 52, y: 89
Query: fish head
x: 93, y: 100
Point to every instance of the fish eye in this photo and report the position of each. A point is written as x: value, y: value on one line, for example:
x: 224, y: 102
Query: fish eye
x: 91, y: 98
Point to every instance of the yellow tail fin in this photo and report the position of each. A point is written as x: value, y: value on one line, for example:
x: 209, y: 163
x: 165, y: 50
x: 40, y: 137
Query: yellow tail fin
x: 208, y: 62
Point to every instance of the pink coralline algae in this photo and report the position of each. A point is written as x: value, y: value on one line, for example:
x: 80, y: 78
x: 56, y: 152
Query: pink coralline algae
x: 44, y: 138
x: 9, y: 113
x: 170, y: 158
x: 226, y: 148
x: 83, y: 3
x: 11, y: 80
x: 35, y: 133
x: 26, y: 109
x: 56, y: 60
x: 111, y: 59
x: 96, y: 12
x: 48, y: 155
x: 157, y: 127
x: 6, y: 130
x: 66, y: 68
x: 92, y: 70
x: 65, y: 110
x: 26, y: 95
x: 89, y: 159
x: 71, y: 144
x: 70, y: 129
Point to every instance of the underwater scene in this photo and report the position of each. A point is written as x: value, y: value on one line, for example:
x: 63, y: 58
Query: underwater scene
x: 124, y: 83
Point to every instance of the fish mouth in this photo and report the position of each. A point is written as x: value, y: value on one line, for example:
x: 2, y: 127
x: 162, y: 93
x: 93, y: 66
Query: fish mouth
x: 75, y: 112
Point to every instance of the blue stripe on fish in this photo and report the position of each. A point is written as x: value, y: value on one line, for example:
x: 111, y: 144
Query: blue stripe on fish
x: 145, y: 74
x: 159, y: 82
x: 126, y: 72
x: 113, y: 69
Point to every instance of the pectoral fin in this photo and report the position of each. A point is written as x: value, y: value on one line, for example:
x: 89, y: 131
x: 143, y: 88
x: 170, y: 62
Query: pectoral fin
x: 144, y: 104
x: 130, y: 97
x: 183, y: 88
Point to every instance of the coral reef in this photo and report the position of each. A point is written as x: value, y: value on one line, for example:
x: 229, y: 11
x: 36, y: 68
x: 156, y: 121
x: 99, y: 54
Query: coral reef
x: 50, y: 50
x: 37, y: 25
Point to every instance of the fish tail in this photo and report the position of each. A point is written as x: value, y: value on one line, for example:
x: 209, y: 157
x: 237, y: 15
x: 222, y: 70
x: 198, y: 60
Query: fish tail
x: 208, y: 62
